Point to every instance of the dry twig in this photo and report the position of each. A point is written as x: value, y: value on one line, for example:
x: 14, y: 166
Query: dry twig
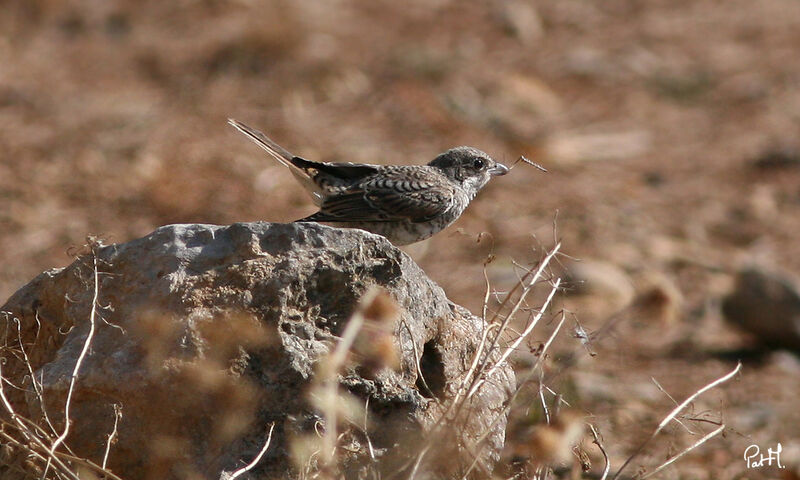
x: 257, y: 459
x: 86, y: 344
x: 37, y: 443
x: 117, y: 416
x: 607, y: 465
x: 696, y: 444
x: 675, y: 412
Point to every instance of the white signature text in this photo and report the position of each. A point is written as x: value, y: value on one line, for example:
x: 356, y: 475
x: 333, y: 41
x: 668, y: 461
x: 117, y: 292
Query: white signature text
x: 754, y: 458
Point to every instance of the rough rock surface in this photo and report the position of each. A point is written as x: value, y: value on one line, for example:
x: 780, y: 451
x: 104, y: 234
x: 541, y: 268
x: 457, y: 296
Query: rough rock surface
x: 766, y: 304
x: 197, y: 388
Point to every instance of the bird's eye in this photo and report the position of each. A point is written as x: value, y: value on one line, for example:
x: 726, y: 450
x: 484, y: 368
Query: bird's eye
x: 478, y: 164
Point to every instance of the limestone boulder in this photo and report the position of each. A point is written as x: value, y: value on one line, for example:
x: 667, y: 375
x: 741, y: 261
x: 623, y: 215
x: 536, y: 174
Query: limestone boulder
x: 202, y: 336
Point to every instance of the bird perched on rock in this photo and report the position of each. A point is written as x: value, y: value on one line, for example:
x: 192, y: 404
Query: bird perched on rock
x: 404, y: 203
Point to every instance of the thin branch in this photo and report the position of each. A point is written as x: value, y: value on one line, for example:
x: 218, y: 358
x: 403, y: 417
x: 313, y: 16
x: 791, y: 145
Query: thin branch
x: 692, y: 447
x: 665, y: 392
x: 255, y: 461
x: 474, y: 373
x: 487, y: 294
x: 30, y: 451
x: 36, y: 384
x: 366, y: 430
x: 519, y: 339
x: 675, y: 412
x: 526, y: 289
x: 552, y: 337
x: 416, y: 356
x: 544, y: 404
x: 34, y: 440
x: 28, y: 434
x: 73, y: 379
x: 502, y: 415
x: 90, y: 464
x: 607, y: 465
x: 475, y: 377
x: 117, y: 416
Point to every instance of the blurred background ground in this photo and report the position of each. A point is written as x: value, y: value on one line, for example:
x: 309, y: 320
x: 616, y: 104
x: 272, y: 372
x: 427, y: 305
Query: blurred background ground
x: 670, y: 129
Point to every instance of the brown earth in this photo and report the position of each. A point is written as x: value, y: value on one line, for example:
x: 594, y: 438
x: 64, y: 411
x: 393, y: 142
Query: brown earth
x: 670, y: 129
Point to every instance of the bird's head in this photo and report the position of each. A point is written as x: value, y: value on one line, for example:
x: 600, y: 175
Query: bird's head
x: 468, y: 167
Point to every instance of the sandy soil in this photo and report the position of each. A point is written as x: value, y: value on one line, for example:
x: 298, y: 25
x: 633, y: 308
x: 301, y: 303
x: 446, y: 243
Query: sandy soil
x: 650, y: 116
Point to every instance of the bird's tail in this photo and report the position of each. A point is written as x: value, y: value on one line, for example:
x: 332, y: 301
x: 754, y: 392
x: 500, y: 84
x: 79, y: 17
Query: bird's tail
x: 281, y: 155
x: 314, y: 217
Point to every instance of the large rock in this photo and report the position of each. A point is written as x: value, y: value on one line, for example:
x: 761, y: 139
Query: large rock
x: 766, y: 304
x: 207, y: 334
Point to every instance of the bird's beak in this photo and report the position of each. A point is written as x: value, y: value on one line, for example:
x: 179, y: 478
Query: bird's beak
x: 498, y: 170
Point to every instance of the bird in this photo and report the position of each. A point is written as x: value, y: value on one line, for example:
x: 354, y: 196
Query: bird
x: 403, y: 203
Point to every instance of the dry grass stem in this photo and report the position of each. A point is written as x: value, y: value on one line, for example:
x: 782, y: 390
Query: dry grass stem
x: 703, y: 440
x: 35, y: 441
x: 520, y: 337
x: 37, y: 386
x: 665, y: 392
x: 86, y: 344
x: 596, y: 441
x: 527, y: 282
x: 475, y: 374
x: 257, y: 459
x: 528, y: 379
x: 112, y: 435
x: 675, y: 412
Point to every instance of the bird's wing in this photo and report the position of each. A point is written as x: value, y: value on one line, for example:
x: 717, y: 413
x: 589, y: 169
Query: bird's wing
x: 337, y: 171
x: 281, y: 155
x: 388, y: 198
